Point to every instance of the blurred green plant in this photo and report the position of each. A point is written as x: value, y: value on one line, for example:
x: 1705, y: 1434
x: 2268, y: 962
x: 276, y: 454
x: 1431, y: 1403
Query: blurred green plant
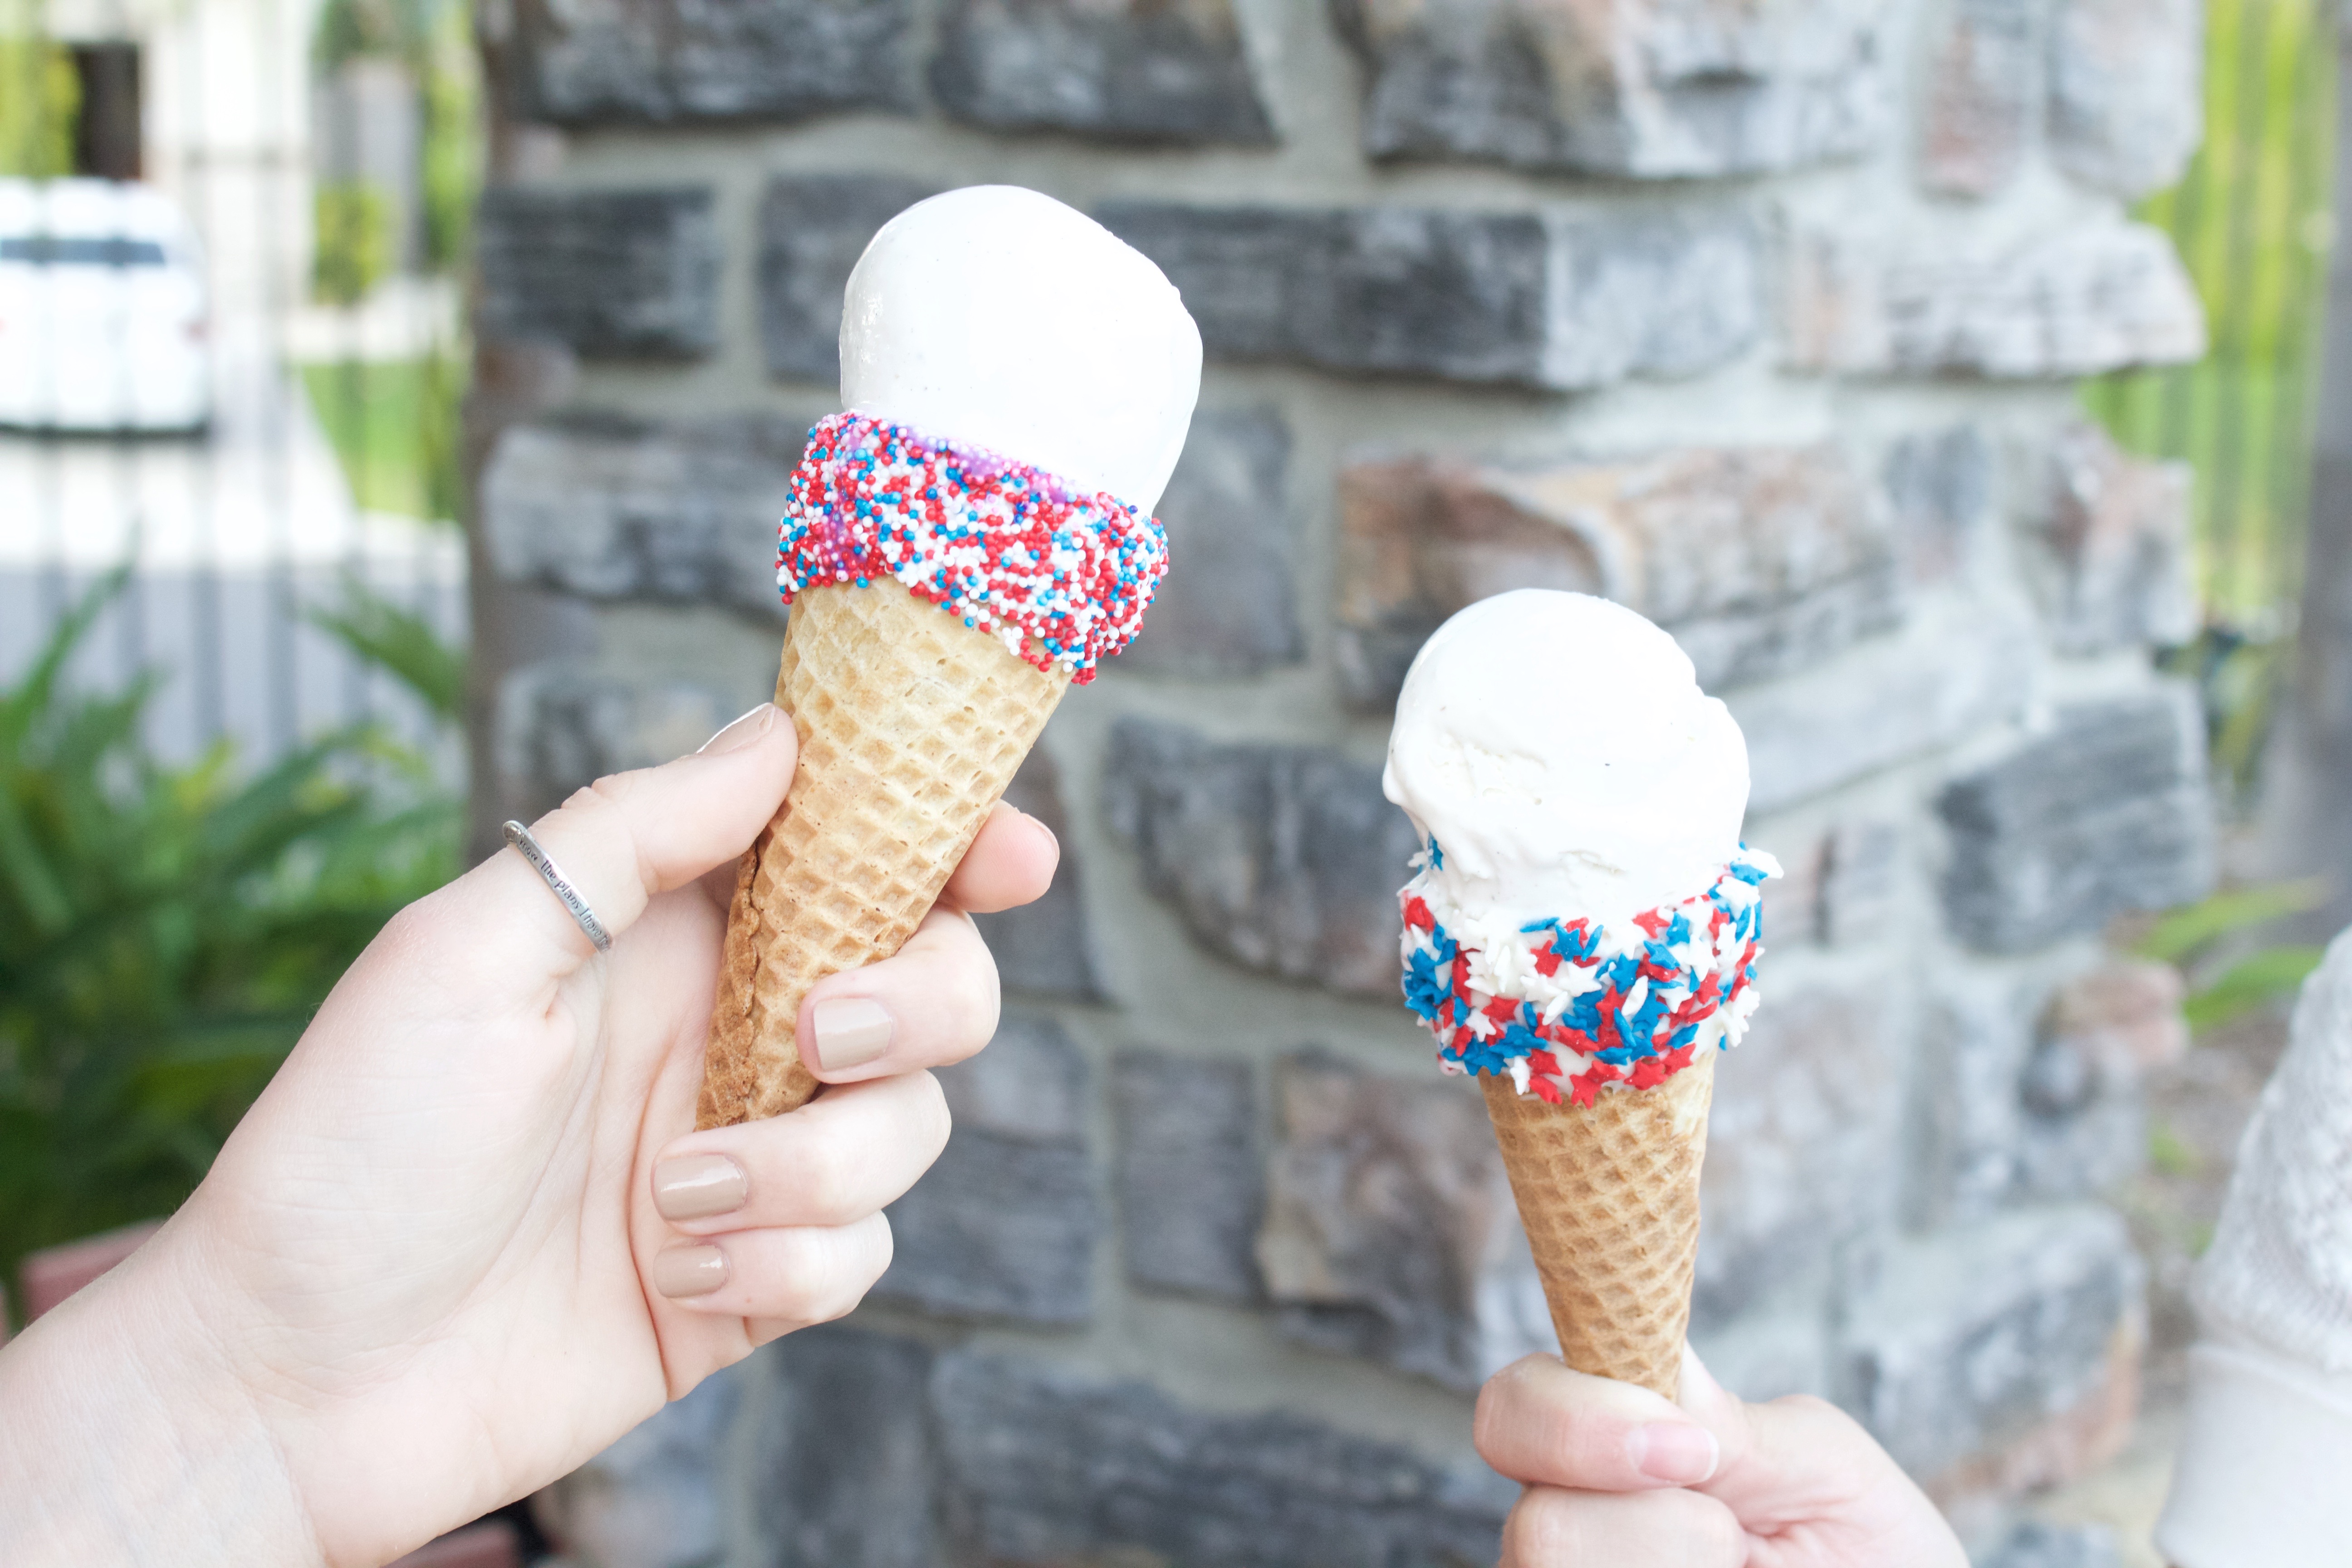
x: 2205, y: 940
x: 394, y: 427
x: 352, y: 228
x: 40, y: 103
x: 167, y: 932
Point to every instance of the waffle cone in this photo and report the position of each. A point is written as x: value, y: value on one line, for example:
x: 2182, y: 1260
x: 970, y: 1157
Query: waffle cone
x: 911, y: 724
x: 1609, y: 1195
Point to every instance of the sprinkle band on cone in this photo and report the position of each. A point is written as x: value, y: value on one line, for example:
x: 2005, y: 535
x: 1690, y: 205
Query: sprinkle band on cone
x: 1060, y: 578
x: 1566, y: 1010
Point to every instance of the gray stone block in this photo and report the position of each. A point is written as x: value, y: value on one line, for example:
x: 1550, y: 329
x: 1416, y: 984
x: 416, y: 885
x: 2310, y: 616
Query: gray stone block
x: 2106, y: 812
x: 1940, y: 485
x: 1984, y: 97
x: 1005, y: 1223
x: 1387, y: 1208
x: 1047, y: 1467
x: 1974, y: 1043
x: 653, y: 1499
x: 847, y: 1467
x: 609, y: 274
x: 585, y: 62
x: 1191, y: 1190
x: 2126, y: 91
x: 2035, y: 1544
x: 609, y: 509
x: 1976, y: 1344
x: 2114, y: 566
x: 1132, y: 70
x: 1046, y: 947
x: 2085, y: 300
x: 1546, y: 301
x: 1653, y: 91
x: 1805, y: 1121
x: 812, y: 229
x: 1759, y: 561
x: 1229, y: 605
x: 1952, y: 673
x: 1285, y: 859
x: 561, y: 725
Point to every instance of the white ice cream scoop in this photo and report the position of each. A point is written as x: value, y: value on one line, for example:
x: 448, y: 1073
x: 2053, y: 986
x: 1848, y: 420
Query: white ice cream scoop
x: 1559, y: 751
x: 999, y: 317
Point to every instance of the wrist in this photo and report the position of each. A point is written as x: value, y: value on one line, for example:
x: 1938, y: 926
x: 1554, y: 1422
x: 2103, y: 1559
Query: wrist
x: 128, y: 1437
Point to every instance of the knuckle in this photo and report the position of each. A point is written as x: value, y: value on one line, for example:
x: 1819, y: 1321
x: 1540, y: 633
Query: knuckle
x: 1542, y: 1530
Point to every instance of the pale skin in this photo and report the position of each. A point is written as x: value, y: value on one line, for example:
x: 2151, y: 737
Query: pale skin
x: 1617, y: 1476
x: 425, y: 1276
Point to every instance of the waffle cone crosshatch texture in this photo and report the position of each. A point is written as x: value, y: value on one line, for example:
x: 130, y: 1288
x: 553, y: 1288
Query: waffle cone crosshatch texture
x: 911, y: 724
x: 1608, y: 1196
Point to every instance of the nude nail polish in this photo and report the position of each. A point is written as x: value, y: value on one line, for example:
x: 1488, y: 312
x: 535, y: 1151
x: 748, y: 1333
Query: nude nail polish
x: 696, y: 1187
x: 741, y: 732
x: 1683, y: 1452
x: 682, y: 1273
x: 849, y: 1031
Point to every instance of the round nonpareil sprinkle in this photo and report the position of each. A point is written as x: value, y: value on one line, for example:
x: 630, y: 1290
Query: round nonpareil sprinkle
x: 1568, y: 1009
x: 1059, y: 577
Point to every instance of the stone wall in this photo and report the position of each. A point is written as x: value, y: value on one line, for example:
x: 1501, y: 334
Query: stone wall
x: 1757, y: 318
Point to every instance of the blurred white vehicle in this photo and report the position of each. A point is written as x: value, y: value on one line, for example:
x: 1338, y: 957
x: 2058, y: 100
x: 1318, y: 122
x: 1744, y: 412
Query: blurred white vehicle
x: 102, y: 320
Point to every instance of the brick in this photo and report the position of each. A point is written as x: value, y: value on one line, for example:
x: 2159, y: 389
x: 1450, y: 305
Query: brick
x: 2126, y: 91
x: 1125, y: 71
x: 610, y: 509
x: 1983, y: 96
x: 2105, y: 812
x: 2114, y: 570
x: 1760, y: 561
x: 1191, y: 1190
x: 1939, y: 486
x: 1004, y: 1224
x: 1046, y: 947
x: 2089, y: 298
x: 1282, y: 859
x: 1954, y: 670
x: 1386, y: 1205
x: 846, y: 1464
x: 1050, y: 1467
x: 588, y: 62
x: 617, y: 274
x: 652, y: 1500
x: 2003, y: 1355
x: 812, y: 229
x: 1540, y: 300
x: 1803, y: 1125
x: 1229, y: 605
x: 1652, y: 91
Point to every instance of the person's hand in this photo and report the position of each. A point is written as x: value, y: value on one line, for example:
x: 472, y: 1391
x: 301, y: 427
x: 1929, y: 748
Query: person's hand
x: 1618, y: 1478
x: 431, y: 1270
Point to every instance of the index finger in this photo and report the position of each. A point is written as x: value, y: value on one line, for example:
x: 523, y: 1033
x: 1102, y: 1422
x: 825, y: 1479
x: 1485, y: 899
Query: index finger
x: 1540, y: 1424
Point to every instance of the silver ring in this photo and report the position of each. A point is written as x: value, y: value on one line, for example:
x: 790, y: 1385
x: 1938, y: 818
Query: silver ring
x: 560, y: 885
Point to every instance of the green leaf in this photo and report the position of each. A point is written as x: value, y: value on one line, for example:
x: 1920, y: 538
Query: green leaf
x: 401, y: 643
x: 2250, y: 982
x: 2182, y: 932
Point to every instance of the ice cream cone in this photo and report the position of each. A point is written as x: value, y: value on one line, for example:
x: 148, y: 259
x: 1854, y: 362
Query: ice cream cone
x: 911, y: 724
x: 1608, y: 1196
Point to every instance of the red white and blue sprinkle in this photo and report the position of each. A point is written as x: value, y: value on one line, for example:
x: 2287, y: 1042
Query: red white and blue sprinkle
x: 1567, y: 1009
x: 1059, y: 577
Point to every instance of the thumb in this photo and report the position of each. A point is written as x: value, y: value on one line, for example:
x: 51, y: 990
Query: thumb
x: 619, y: 842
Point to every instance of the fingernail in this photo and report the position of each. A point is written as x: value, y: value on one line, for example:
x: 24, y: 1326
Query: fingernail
x: 682, y: 1273
x: 741, y: 732
x: 1682, y: 1452
x: 696, y: 1187
x: 849, y: 1031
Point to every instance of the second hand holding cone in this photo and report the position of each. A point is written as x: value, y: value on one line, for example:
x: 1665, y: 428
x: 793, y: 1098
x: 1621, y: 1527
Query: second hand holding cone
x: 964, y: 543
x: 1582, y: 935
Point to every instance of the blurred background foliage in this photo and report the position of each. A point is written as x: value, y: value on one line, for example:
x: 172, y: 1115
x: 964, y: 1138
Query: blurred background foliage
x: 166, y: 931
x: 40, y: 99
x: 2253, y: 220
